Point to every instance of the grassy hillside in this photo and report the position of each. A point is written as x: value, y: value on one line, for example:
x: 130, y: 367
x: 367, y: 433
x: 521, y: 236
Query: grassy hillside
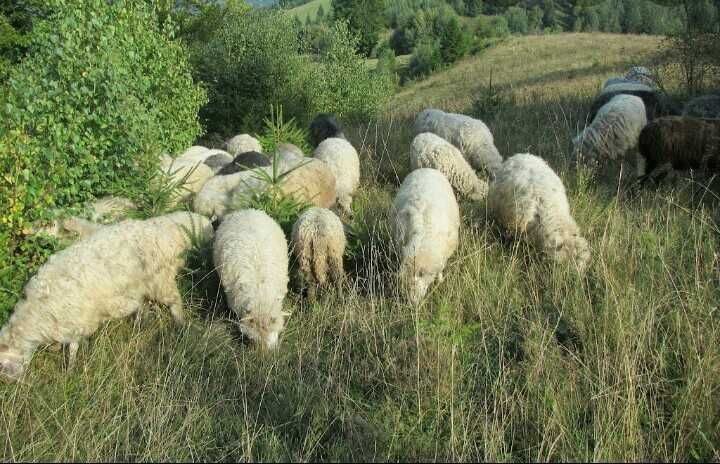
x: 509, y: 359
x: 310, y: 9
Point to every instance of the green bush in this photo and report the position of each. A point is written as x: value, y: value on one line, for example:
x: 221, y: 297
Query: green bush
x: 103, y: 91
x: 339, y: 81
x: 426, y: 58
x: 250, y: 62
x: 490, y: 27
x: 517, y: 19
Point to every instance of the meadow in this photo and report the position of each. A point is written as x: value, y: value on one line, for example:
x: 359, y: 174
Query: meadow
x: 511, y: 358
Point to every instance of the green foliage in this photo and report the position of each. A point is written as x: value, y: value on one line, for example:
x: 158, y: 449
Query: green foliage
x: 426, y: 58
x: 103, y: 92
x: 364, y: 19
x: 517, y: 19
x: 387, y: 64
x: 249, y: 63
x: 474, y: 7
x: 339, y: 81
x: 278, y: 130
x: 16, y: 18
x: 454, y: 42
x: 490, y: 27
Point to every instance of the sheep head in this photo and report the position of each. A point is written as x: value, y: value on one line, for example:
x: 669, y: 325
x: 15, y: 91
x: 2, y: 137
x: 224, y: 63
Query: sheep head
x: 12, y: 364
x: 264, y: 327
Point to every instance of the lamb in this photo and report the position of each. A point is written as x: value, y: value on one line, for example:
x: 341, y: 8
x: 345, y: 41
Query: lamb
x: 614, y: 131
x: 528, y: 200
x: 657, y: 104
x: 426, y: 220
x: 343, y: 161
x: 318, y: 242
x: 705, y: 106
x: 244, y: 162
x: 471, y: 136
x: 251, y: 255
x: 430, y: 151
x: 241, y: 144
x: 103, y: 276
x: 325, y: 126
x: 684, y: 142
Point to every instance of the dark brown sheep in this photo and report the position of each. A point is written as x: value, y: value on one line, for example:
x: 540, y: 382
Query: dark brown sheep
x: 245, y: 161
x: 685, y: 142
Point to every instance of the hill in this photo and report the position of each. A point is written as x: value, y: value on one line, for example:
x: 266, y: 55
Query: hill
x: 310, y: 9
x: 510, y: 358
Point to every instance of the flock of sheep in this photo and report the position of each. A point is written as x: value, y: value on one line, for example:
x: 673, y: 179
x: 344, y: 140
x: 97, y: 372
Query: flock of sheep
x: 113, y: 268
x: 633, y: 111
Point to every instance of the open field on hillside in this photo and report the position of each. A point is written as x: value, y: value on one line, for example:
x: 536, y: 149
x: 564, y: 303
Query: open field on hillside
x: 509, y: 359
x: 310, y: 9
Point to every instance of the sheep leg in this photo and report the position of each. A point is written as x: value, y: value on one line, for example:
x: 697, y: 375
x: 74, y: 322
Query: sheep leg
x: 72, y: 354
x: 174, y: 301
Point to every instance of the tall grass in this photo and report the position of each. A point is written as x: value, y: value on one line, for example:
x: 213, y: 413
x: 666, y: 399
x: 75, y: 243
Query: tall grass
x: 510, y: 358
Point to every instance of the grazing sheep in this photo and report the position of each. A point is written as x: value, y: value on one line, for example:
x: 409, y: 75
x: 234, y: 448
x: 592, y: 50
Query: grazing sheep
x: 614, y: 131
x: 318, y: 240
x: 251, y: 255
x: 426, y: 220
x: 215, y: 197
x: 242, y: 143
x: 684, y: 142
x: 471, y: 136
x: 310, y: 180
x: 657, y: 104
x: 528, y: 199
x: 705, y: 106
x: 244, y: 162
x: 288, y: 153
x: 195, y: 173
x: 325, y: 126
x: 642, y: 75
x: 106, y: 275
x: 430, y: 151
x: 343, y: 161
x: 218, y: 161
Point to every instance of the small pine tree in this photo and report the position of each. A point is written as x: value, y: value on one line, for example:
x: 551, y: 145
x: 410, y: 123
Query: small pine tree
x: 517, y: 19
x: 535, y: 18
x: 320, y: 13
x: 453, y: 43
x: 473, y: 7
x: 364, y: 18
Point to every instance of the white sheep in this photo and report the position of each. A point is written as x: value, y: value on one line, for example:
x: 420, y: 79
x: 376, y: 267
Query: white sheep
x: 318, y: 242
x: 431, y: 151
x: 308, y: 179
x: 188, y: 174
x: 343, y: 161
x: 614, y: 130
x: 242, y: 143
x: 106, y: 275
x: 627, y: 86
x: 471, y: 136
x: 251, y: 255
x: 426, y: 219
x: 528, y: 199
x: 214, y: 199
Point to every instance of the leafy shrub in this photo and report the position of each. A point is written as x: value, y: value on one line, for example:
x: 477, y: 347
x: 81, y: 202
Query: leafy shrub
x: 426, y: 58
x: 490, y: 27
x: 517, y: 20
x: 364, y: 18
x: 103, y: 91
x: 340, y: 82
x: 250, y: 62
x: 453, y: 41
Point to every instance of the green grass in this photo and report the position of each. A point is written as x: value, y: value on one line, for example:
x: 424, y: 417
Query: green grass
x: 510, y: 358
x: 310, y: 9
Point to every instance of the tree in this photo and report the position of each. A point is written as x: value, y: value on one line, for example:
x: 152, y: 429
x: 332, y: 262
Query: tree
x: 320, y: 13
x: 364, y: 18
x: 473, y: 7
x: 517, y: 19
x: 453, y: 43
x: 632, y: 18
x: 535, y: 18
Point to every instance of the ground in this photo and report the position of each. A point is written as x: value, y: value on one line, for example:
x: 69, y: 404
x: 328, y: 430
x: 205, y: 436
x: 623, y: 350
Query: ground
x: 510, y: 358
